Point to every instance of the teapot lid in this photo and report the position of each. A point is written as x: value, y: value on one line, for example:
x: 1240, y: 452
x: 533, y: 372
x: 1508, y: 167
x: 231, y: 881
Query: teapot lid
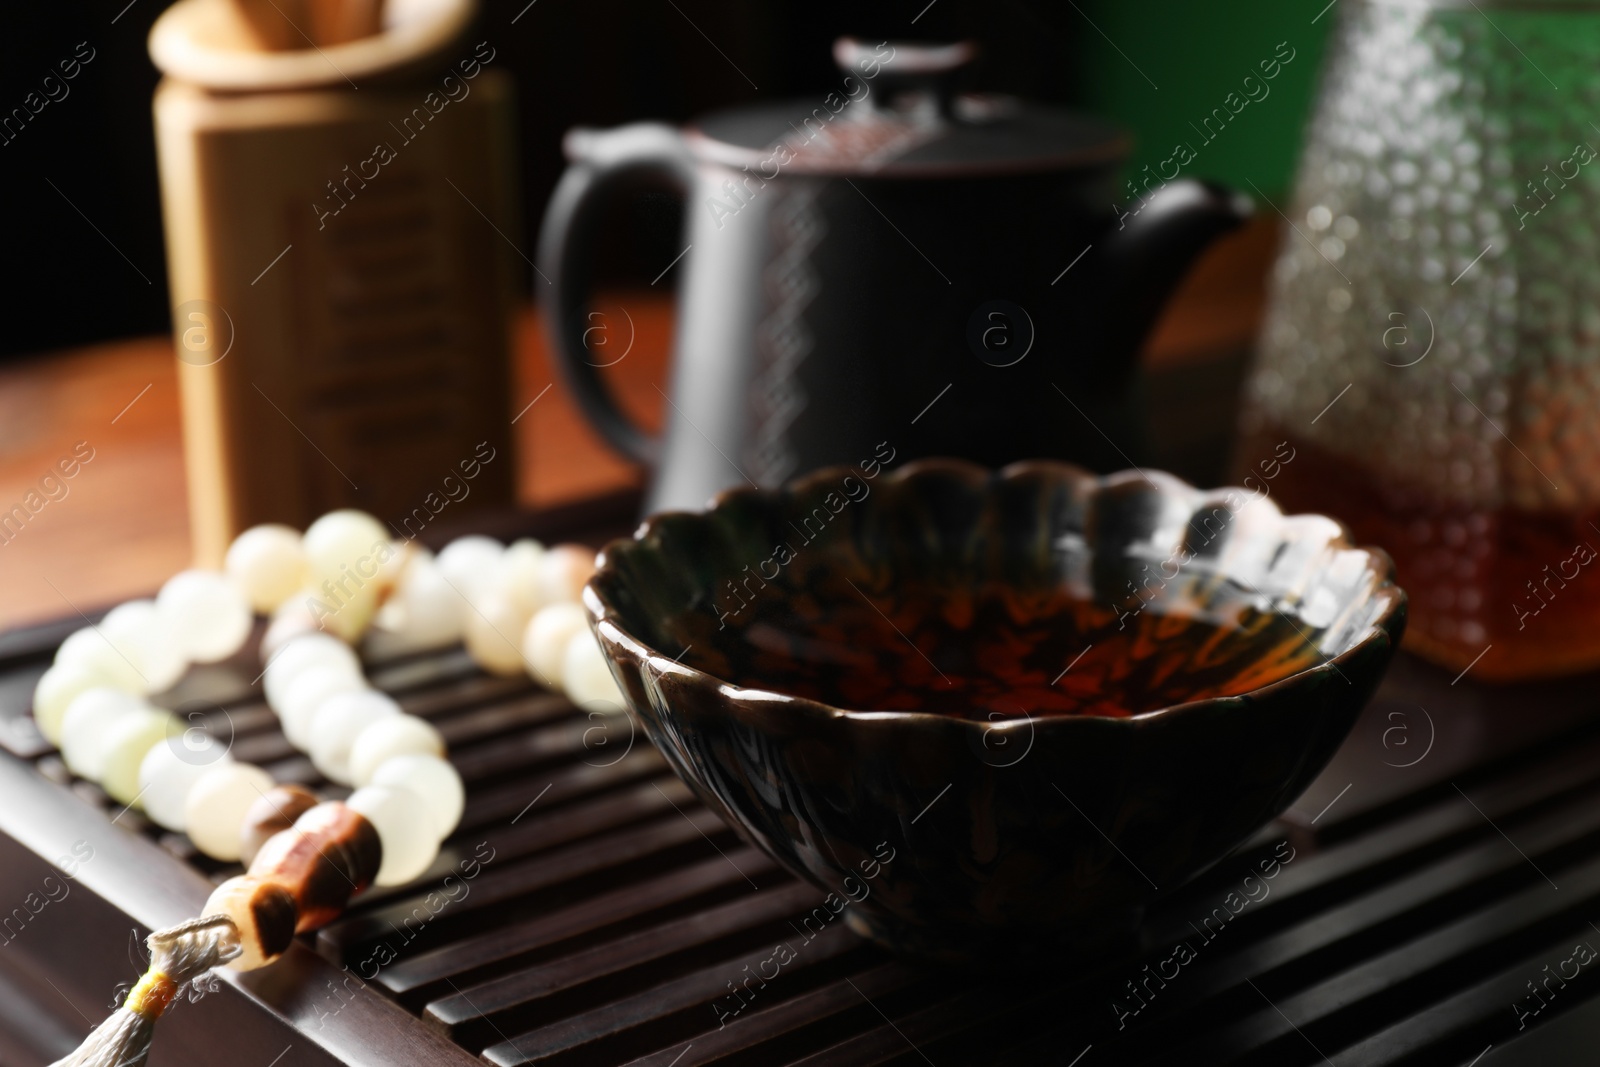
x: 897, y: 115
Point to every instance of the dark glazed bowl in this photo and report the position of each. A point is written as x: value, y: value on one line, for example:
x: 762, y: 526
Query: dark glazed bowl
x: 949, y: 837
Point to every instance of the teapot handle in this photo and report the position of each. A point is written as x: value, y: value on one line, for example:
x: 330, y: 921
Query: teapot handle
x: 1151, y: 248
x: 604, y: 163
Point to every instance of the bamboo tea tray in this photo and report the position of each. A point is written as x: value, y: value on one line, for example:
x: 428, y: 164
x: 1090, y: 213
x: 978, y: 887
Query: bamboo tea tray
x: 590, y: 911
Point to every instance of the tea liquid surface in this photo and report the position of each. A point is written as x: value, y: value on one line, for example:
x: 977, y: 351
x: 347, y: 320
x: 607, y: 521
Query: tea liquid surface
x: 993, y: 652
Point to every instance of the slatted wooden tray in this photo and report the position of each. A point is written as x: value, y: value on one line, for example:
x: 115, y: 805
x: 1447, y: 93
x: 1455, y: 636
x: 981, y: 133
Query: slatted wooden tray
x: 589, y: 911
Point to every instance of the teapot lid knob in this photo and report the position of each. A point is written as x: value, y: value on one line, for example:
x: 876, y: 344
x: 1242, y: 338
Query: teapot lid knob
x: 908, y: 66
x: 898, y: 115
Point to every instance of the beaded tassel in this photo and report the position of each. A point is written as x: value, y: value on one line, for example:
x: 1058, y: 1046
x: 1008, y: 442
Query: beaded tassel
x: 178, y: 955
x: 300, y: 878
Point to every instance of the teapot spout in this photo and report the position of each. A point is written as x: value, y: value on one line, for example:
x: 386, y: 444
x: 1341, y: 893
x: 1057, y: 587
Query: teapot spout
x: 1147, y: 253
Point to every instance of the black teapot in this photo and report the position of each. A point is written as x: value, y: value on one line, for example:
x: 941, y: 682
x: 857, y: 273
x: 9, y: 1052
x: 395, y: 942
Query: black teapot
x: 891, y: 270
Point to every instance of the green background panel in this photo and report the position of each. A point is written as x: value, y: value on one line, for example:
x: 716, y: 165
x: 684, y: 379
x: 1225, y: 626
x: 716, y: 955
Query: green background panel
x: 1196, y: 54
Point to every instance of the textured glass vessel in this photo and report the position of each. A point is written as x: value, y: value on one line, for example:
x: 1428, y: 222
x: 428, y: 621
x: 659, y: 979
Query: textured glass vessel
x: 1432, y: 349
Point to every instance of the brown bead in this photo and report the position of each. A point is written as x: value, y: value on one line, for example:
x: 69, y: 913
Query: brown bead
x: 264, y: 913
x: 329, y: 854
x: 351, y: 830
x: 274, y: 811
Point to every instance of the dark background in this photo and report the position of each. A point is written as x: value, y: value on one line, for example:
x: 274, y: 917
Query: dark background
x: 87, y: 163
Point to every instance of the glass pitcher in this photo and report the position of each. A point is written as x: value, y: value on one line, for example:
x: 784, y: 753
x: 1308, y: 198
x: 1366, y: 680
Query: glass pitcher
x: 1430, y: 362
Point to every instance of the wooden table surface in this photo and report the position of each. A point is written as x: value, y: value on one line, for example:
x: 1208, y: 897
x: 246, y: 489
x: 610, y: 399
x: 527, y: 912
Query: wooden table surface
x: 122, y: 526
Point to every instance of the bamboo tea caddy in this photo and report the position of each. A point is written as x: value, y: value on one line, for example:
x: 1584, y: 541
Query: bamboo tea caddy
x: 340, y: 295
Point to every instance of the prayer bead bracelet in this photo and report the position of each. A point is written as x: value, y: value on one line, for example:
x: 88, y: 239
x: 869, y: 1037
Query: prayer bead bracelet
x: 514, y: 607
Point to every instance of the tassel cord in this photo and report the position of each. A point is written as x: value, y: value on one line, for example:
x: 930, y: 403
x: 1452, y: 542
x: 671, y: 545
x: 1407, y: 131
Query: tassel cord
x: 178, y: 955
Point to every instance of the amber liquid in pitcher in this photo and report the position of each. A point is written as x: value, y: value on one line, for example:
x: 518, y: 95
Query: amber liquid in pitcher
x: 1519, y: 584
x: 993, y: 652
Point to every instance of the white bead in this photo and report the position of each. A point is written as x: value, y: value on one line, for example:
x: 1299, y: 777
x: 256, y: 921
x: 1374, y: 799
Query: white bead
x: 344, y: 610
x: 346, y: 551
x: 168, y: 771
x: 346, y: 541
x: 84, y: 727
x: 311, y: 649
x: 403, y: 553
x: 494, y: 627
x: 433, y: 780
x: 586, y: 677
x: 307, y: 693
x: 405, y: 831
x: 216, y: 805
x: 292, y: 619
x: 57, y: 688
x: 140, y: 632
x: 425, y: 611
x: 400, y: 735
x: 544, y: 644
x: 519, y: 576
x: 336, y: 724
x: 268, y: 563
x: 88, y: 650
x: 127, y: 742
x: 207, y: 613
x: 381, y: 645
x: 470, y: 564
x: 563, y: 573
x: 299, y: 655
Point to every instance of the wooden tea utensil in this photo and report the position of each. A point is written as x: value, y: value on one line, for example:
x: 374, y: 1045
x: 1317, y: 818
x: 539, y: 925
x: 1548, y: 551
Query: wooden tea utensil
x: 270, y: 24
x: 342, y: 312
x: 338, y: 21
x: 284, y: 25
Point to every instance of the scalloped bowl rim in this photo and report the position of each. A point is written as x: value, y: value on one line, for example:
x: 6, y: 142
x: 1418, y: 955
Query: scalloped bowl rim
x: 604, y: 616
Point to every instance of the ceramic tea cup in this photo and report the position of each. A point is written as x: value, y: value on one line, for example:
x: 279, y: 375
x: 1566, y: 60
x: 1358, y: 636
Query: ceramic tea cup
x: 955, y: 779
